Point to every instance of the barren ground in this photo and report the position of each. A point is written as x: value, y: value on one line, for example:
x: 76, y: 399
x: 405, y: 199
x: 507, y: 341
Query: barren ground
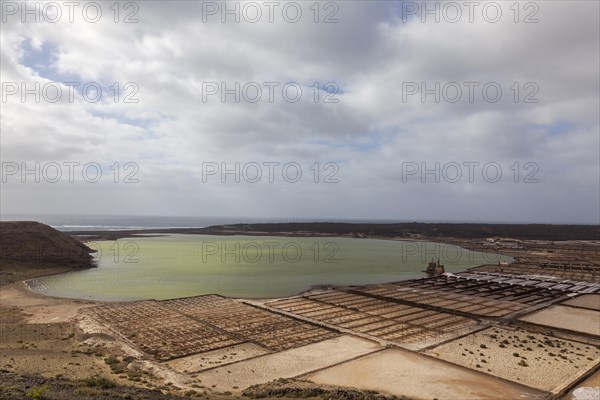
x: 591, y: 301
x: 398, y: 371
x: 575, y: 319
x: 285, y: 364
x: 533, y: 359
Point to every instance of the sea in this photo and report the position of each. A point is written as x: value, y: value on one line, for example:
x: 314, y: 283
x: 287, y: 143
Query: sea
x: 70, y: 223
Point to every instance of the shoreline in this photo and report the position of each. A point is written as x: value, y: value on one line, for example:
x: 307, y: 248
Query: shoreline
x: 37, y: 308
x: 123, y: 234
x: 469, y: 244
x: 408, y: 230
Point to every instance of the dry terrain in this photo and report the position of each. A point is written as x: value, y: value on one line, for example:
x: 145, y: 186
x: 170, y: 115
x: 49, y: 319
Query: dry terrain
x: 285, y: 364
x: 527, y: 330
x: 591, y: 301
x: 211, y: 359
x: 533, y: 359
x: 575, y: 319
x: 398, y: 371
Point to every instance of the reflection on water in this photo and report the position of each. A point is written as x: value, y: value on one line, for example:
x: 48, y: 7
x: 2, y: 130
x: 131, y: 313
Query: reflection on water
x: 247, y: 266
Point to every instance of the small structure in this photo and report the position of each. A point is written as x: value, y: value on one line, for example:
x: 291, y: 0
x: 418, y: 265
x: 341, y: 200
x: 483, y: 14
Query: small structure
x: 435, y: 268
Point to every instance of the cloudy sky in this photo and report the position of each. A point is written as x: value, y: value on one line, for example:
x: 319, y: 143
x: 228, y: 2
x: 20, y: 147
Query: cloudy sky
x: 341, y: 109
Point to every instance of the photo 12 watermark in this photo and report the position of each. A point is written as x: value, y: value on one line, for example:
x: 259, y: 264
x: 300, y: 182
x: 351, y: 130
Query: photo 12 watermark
x: 271, y: 92
x: 53, y: 12
x: 115, y: 252
x: 469, y: 172
x: 69, y: 171
x: 289, y: 12
x: 270, y: 172
x: 69, y: 92
x: 470, y: 92
x: 43, y: 252
x: 32, y: 333
x: 265, y: 251
x: 269, y: 251
x: 427, y: 251
x: 452, y: 12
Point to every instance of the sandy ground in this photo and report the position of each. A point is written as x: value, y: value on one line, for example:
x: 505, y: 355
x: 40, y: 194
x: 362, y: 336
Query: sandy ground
x: 237, y: 367
x: 40, y: 335
x: 216, y: 358
x: 286, y: 364
x: 575, y: 319
x: 36, y: 337
x: 47, y: 355
x: 591, y: 301
x: 533, y: 359
x: 52, y: 350
x: 39, y: 309
x: 402, y: 372
x: 586, y: 390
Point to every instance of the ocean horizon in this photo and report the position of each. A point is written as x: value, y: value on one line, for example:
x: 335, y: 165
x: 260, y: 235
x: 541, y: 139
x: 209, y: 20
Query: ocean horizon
x: 69, y: 223
x: 73, y: 222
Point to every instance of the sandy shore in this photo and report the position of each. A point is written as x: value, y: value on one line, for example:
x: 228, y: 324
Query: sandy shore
x: 37, y: 308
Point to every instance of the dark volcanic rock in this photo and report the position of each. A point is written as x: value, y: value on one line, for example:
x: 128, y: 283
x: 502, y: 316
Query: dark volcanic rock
x: 34, y: 243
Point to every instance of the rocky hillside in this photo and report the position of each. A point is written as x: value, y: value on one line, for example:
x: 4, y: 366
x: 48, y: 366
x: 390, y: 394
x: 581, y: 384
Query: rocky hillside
x: 35, y: 244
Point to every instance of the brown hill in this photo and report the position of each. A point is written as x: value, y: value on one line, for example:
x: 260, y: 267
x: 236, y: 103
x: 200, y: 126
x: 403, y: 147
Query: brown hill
x: 37, y: 245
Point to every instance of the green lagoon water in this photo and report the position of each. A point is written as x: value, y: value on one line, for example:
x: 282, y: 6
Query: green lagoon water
x: 247, y: 266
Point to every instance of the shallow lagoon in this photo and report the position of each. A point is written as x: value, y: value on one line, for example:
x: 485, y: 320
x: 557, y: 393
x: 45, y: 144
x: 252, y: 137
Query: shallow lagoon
x: 247, y: 266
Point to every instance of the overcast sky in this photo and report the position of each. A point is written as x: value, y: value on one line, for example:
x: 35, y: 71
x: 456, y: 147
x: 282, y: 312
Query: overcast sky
x: 359, y: 97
